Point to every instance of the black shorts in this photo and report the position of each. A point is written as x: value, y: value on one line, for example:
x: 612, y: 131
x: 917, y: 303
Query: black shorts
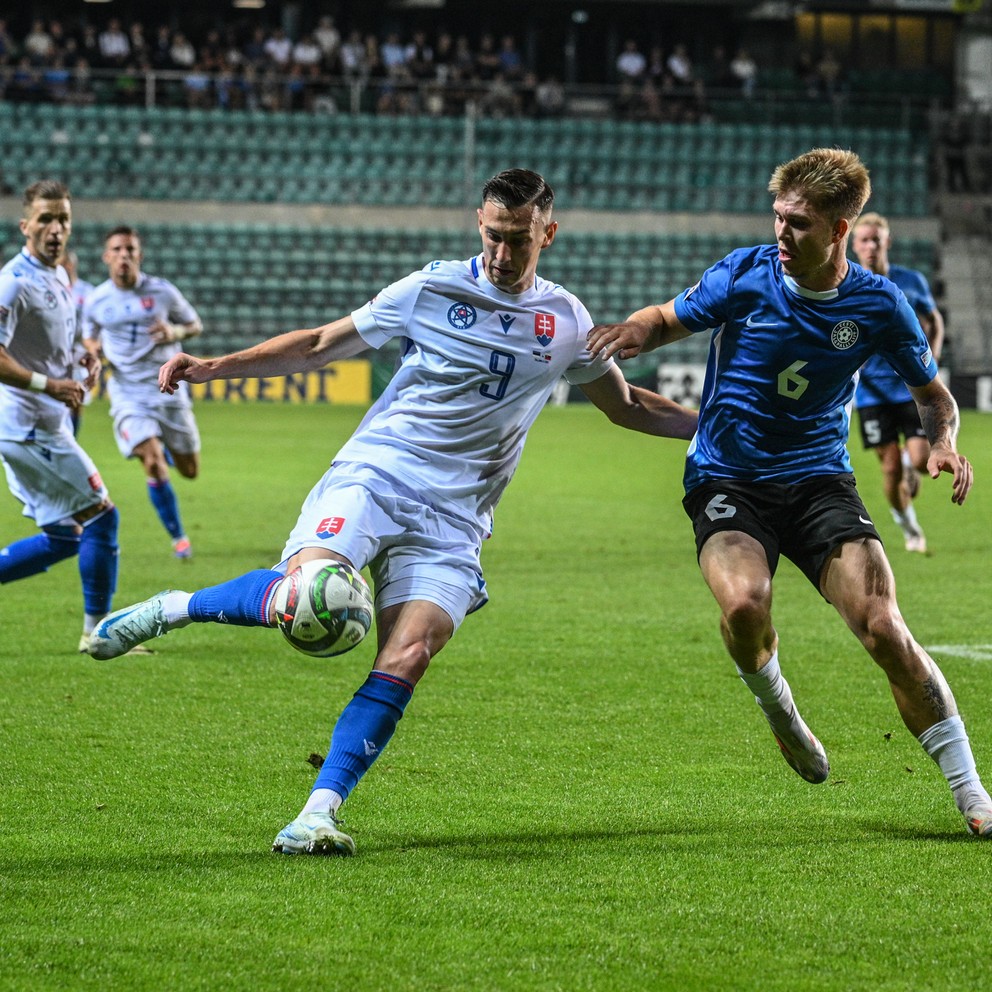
x: 805, y: 521
x: 883, y: 424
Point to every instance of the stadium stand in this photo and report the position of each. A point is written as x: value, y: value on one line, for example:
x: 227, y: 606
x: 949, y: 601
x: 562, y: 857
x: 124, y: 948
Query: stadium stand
x: 249, y: 156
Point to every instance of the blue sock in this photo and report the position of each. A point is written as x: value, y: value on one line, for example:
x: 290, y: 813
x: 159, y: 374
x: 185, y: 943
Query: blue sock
x: 36, y: 553
x: 243, y: 601
x: 98, y: 561
x: 364, y: 728
x: 163, y: 498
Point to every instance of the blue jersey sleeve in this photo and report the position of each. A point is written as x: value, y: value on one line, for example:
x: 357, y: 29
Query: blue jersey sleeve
x: 704, y: 306
x: 906, y: 347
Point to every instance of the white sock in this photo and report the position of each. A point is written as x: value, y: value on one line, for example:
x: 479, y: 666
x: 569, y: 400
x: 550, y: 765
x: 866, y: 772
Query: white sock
x: 90, y: 620
x: 906, y: 519
x: 947, y: 743
x: 322, y: 801
x: 175, y: 606
x: 771, y: 691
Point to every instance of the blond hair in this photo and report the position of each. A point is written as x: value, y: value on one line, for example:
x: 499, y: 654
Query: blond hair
x: 831, y: 179
x: 876, y: 220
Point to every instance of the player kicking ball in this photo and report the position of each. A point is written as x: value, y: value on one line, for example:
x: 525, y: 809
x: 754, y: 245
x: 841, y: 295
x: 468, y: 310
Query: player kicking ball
x: 411, y: 495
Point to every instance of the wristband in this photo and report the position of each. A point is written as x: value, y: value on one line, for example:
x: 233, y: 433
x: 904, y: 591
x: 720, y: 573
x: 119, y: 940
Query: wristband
x: 38, y: 382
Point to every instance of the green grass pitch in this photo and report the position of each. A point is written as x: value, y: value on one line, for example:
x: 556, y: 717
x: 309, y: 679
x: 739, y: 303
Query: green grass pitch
x: 581, y: 796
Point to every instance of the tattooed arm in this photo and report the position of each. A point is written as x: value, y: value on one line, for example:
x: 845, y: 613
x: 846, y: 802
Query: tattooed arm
x: 939, y: 416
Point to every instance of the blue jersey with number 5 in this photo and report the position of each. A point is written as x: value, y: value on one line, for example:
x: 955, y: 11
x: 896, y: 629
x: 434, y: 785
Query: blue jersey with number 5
x: 782, y: 364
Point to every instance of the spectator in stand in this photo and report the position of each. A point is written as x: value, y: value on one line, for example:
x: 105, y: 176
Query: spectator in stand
x: 510, y: 60
x: 159, y: 51
x: 444, y: 55
x: 38, y: 45
x: 374, y: 68
x: 419, y: 58
x: 55, y: 80
x: 278, y: 48
x: 254, y: 50
x: 464, y: 60
x: 140, y: 51
x: 306, y: 52
x: 631, y: 63
x: 114, y: 44
x: 24, y: 85
x: 211, y: 52
x: 679, y: 65
x: 329, y: 39
x: 744, y: 70
x: 487, y: 62
x: 717, y: 71
x: 500, y: 98
x: 7, y: 45
x: 352, y: 57
x: 196, y: 86
x: 81, y: 85
x: 829, y: 74
x: 89, y: 45
x: 549, y: 97
x: 181, y: 52
x: 393, y: 56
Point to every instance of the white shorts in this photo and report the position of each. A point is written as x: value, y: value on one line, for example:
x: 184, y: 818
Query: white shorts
x: 142, y: 413
x: 413, y: 551
x: 52, y: 476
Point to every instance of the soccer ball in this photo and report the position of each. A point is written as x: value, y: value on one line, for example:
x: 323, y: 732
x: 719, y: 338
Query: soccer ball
x: 324, y: 608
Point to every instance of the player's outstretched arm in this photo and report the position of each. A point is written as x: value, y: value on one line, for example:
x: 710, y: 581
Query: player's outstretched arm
x: 643, y: 330
x: 297, y: 351
x: 939, y: 416
x: 639, y: 409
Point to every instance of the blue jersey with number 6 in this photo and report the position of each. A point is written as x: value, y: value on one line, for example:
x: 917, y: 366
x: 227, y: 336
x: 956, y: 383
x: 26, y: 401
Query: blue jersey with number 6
x: 782, y: 364
x: 476, y: 367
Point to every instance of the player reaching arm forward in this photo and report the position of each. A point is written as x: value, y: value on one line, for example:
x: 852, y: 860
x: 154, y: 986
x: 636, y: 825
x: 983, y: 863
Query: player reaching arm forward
x: 768, y: 472
x: 411, y: 494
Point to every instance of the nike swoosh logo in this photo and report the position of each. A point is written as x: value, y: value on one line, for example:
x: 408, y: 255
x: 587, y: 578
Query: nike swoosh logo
x: 751, y: 322
x: 868, y: 522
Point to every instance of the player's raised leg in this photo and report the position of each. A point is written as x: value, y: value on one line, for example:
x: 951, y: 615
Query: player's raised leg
x: 735, y: 567
x: 244, y: 601
x: 409, y: 635
x: 860, y: 584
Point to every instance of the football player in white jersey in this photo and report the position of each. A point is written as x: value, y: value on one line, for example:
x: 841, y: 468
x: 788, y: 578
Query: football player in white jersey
x: 411, y: 494
x: 137, y: 321
x: 46, y: 468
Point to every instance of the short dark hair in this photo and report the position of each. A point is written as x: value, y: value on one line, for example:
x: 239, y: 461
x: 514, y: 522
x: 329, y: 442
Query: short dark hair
x: 124, y: 229
x: 46, y: 189
x: 514, y: 188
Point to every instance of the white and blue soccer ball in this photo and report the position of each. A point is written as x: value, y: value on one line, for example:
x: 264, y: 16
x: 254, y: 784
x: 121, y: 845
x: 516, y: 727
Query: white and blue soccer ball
x: 324, y: 608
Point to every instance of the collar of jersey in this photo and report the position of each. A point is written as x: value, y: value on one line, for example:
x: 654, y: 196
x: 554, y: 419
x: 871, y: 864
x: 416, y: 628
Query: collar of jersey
x: 36, y: 262
x: 810, y: 294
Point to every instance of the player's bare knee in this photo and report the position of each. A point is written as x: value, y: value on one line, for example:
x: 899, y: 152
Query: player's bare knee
x: 408, y: 660
x: 887, y: 639
x: 746, y: 611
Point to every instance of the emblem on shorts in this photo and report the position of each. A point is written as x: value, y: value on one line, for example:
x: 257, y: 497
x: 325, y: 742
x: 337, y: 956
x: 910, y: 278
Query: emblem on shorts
x: 329, y: 526
x: 461, y: 315
x: 844, y: 334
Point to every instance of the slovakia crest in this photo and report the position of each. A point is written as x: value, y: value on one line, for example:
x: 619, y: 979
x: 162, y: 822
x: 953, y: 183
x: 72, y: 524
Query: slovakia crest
x: 147, y: 302
x: 844, y: 335
x: 544, y: 328
x: 329, y: 526
x: 461, y: 315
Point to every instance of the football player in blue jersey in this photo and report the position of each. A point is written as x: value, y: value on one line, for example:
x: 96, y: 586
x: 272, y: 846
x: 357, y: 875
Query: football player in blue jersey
x: 886, y: 411
x: 47, y: 470
x: 768, y: 471
x: 411, y: 494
